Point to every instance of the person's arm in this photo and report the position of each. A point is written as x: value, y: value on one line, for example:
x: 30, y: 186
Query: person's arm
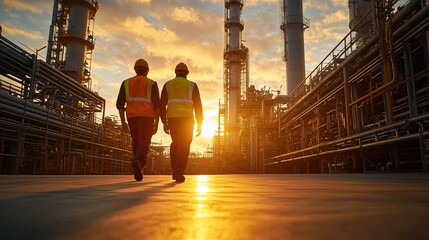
x: 163, y: 109
x: 120, y: 105
x: 123, y: 122
x: 156, y: 103
x: 198, y: 109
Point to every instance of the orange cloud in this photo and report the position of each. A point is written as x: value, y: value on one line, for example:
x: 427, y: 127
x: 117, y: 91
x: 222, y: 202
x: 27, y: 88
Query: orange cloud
x: 11, y: 30
x: 22, y: 5
x: 146, y: 2
x: 187, y: 15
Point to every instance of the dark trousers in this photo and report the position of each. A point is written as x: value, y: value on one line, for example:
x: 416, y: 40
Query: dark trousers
x: 141, y: 133
x: 181, y: 131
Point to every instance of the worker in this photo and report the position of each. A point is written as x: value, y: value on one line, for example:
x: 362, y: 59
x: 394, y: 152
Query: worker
x: 180, y: 99
x: 141, y: 97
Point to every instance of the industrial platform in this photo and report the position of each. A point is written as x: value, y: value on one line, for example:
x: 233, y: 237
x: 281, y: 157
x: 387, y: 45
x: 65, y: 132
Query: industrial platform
x: 338, y: 206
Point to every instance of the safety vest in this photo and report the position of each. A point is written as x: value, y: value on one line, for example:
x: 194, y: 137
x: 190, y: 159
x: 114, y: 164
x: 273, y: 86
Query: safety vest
x: 138, y: 92
x: 180, y: 102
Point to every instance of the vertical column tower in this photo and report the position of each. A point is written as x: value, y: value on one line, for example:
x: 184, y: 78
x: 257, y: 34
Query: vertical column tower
x: 293, y: 29
x: 235, y: 55
x: 71, y: 38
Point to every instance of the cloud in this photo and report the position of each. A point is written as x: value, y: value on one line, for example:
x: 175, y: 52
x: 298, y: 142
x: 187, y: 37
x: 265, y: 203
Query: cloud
x: 11, y: 30
x: 186, y: 15
x: 140, y: 27
x: 340, y: 3
x: 246, y: 2
x: 213, y: 1
x: 316, y: 4
x: 23, y: 6
x: 258, y: 2
x: 337, y: 17
x: 145, y: 2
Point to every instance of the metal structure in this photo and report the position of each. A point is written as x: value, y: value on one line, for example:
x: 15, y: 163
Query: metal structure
x: 71, y: 38
x: 235, y: 70
x: 50, y: 120
x: 236, y: 81
x: 365, y: 106
x: 293, y: 25
x: 50, y: 124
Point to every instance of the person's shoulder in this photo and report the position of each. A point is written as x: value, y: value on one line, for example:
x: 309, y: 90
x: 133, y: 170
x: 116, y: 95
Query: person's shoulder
x: 150, y: 79
x: 123, y: 81
x: 168, y: 81
x: 129, y: 78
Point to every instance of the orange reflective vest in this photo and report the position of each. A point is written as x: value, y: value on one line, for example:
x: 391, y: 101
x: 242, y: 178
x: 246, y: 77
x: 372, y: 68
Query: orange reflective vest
x: 180, y: 102
x: 138, y: 92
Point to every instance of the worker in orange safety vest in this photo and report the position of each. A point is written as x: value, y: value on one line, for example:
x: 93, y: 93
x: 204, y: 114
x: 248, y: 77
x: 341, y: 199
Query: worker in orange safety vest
x: 139, y: 98
x: 180, y: 99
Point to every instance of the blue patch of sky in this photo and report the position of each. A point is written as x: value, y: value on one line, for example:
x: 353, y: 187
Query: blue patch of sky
x: 153, y: 21
x: 25, y: 21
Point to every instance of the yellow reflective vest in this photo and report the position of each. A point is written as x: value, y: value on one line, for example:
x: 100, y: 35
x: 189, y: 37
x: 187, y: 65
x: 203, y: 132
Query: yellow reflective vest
x: 180, y: 104
x: 138, y: 93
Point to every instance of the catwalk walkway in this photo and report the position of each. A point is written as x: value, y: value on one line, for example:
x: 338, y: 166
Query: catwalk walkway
x: 342, y: 206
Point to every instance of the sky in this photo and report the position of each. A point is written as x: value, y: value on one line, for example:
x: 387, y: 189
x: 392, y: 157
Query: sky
x: 166, y: 32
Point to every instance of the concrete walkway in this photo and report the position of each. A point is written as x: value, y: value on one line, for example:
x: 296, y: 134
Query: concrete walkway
x: 342, y: 206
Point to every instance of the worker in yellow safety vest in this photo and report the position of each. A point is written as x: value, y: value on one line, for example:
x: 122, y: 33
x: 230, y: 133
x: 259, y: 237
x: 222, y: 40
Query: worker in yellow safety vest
x: 139, y: 98
x: 180, y: 99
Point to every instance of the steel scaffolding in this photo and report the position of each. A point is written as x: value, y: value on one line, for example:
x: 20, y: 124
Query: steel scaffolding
x: 51, y: 124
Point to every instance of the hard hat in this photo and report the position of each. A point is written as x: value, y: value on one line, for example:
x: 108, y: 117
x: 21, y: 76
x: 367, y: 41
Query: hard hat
x: 181, y: 67
x: 141, y: 63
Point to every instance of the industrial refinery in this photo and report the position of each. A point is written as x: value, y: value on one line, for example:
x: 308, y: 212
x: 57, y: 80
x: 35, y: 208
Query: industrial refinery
x: 51, y: 120
x: 364, y: 108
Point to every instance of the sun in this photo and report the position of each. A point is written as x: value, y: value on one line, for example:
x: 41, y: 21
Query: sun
x: 209, y: 128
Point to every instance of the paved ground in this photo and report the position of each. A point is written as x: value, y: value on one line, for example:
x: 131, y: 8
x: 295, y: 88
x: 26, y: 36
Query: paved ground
x: 342, y: 206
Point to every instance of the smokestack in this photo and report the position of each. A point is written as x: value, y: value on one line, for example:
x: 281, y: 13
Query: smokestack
x: 234, y: 57
x: 293, y: 30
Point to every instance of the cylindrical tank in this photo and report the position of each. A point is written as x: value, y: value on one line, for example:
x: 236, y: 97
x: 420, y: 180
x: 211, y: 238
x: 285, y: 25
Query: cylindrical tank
x: 77, y: 38
x: 234, y: 25
x: 357, y: 11
x: 295, y: 64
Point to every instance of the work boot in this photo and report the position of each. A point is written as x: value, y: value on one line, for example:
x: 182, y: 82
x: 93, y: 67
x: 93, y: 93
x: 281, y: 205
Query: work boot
x: 138, y: 175
x: 179, y: 178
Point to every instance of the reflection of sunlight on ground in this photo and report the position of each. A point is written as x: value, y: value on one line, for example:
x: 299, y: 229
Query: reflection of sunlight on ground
x: 202, y: 214
x: 202, y: 190
x: 202, y: 178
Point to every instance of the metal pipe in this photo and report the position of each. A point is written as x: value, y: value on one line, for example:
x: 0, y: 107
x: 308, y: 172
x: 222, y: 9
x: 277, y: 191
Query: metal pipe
x: 379, y: 130
x: 353, y: 148
x: 363, y: 51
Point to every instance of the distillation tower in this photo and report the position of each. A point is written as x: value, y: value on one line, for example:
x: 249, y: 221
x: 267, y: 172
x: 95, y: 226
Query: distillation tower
x: 293, y: 25
x: 71, y: 38
x: 235, y: 71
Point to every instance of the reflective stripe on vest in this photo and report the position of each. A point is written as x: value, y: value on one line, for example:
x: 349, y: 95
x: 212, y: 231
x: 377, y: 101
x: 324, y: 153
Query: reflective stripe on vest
x: 138, y: 93
x: 180, y: 102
